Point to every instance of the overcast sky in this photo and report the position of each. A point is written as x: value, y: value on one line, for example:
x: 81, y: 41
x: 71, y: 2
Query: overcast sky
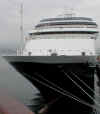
x: 34, y: 10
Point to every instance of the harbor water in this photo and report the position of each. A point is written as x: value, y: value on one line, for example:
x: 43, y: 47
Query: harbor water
x: 23, y: 90
x: 16, y: 85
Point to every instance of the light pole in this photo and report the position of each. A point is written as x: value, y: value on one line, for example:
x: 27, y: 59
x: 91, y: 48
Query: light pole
x: 21, y: 28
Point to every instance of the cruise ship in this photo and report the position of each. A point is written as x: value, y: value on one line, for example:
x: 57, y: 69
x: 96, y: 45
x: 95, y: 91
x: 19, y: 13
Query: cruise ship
x: 59, y: 59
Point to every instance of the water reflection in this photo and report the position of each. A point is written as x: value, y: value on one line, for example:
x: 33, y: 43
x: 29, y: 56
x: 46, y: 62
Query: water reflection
x: 37, y: 103
x: 16, y: 84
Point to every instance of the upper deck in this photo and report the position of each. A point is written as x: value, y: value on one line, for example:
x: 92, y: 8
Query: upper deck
x: 66, y: 23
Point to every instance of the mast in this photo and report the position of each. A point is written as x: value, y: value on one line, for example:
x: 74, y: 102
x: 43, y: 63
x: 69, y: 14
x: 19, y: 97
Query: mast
x: 21, y: 28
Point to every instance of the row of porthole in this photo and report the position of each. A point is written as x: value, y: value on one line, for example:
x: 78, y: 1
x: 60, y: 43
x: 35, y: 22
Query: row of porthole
x: 55, y: 54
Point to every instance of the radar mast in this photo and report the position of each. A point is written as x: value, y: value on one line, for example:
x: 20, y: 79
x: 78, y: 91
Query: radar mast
x: 67, y: 12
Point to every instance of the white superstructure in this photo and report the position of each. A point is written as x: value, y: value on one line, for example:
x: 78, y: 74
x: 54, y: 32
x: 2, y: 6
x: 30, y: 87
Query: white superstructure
x: 66, y: 34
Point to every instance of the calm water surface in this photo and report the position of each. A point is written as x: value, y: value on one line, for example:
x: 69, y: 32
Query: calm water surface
x: 16, y: 85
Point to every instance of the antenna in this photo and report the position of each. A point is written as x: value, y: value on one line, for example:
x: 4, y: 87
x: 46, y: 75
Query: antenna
x: 67, y: 12
x: 21, y: 26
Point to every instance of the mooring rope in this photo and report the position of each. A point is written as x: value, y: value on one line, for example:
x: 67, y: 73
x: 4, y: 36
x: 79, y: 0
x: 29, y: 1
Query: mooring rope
x: 81, y: 88
x: 76, y: 76
x: 66, y: 93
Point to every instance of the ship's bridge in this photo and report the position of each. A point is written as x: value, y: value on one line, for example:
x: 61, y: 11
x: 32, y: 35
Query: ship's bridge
x: 67, y: 22
x: 64, y: 35
x: 66, y: 25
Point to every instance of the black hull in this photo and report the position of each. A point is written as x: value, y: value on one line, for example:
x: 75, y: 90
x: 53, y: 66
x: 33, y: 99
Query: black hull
x: 55, y: 77
x: 46, y: 77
